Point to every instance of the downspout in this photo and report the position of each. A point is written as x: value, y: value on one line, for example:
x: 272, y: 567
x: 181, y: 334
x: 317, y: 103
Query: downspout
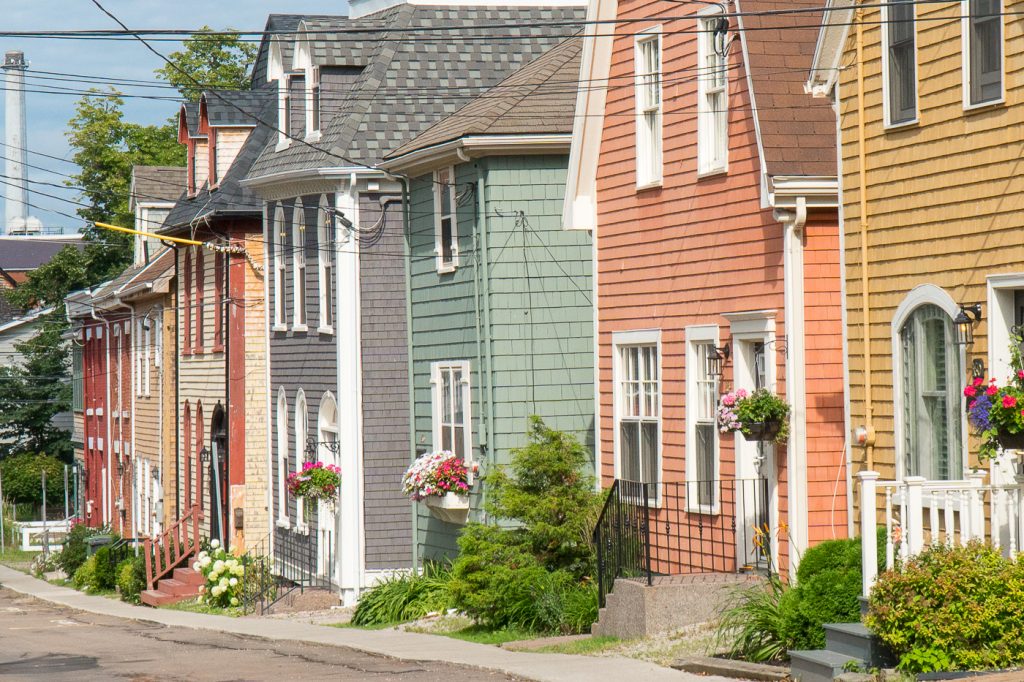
x: 407, y: 226
x: 222, y: 518
x: 481, y: 217
x: 176, y: 300
x: 489, y: 343
x: 869, y: 444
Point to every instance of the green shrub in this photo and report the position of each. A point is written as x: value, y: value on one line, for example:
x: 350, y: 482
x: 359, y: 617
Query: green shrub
x: 952, y: 609
x: 533, y: 571
x: 73, y: 554
x: 753, y: 626
x: 104, y: 576
x: 84, y: 576
x: 131, y: 578
x: 22, y: 476
x: 405, y: 597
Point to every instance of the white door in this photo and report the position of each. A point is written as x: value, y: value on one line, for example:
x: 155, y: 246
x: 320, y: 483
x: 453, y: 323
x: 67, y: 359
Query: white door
x: 327, y: 514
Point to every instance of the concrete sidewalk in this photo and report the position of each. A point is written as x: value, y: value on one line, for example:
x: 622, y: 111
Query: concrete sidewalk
x: 392, y: 643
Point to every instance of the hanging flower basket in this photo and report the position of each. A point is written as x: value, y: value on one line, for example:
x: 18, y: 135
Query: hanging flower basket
x: 316, y: 483
x: 759, y: 416
x: 997, y: 414
x: 762, y: 431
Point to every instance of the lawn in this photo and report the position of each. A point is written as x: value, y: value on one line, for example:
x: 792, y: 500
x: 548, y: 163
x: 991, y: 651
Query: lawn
x: 590, y: 645
x: 15, y: 558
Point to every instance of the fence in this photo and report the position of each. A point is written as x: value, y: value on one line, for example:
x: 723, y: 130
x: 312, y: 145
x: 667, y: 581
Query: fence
x: 684, y: 527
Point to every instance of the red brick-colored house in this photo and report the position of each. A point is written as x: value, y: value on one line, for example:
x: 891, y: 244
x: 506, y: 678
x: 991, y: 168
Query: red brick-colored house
x: 708, y: 178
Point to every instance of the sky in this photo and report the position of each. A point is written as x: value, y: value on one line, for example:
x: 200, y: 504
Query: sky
x: 48, y: 114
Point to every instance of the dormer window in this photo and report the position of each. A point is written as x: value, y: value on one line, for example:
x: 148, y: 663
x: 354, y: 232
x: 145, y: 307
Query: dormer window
x: 313, y: 123
x: 286, y: 122
x: 214, y: 179
x: 191, y: 168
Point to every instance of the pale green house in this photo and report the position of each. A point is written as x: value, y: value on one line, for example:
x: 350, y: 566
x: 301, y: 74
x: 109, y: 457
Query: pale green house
x: 500, y: 295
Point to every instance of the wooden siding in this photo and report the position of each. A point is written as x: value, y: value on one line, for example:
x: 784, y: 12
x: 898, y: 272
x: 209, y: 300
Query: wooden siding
x: 538, y: 304
x: 944, y: 198
x: 202, y: 162
x: 255, y: 388
x: 229, y: 143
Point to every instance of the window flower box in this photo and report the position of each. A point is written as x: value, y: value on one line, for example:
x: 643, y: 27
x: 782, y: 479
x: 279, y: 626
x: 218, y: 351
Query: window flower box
x: 450, y: 507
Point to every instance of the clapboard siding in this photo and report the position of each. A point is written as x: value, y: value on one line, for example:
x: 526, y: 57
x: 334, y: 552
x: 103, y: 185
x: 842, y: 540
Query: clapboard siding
x: 229, y: 143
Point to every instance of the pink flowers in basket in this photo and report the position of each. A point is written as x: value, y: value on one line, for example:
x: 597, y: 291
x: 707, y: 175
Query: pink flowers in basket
x: 436, y: 474
x: 317, y: 481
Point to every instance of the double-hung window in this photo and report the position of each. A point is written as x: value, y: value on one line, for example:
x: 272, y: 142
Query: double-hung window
x: 299, y: 266
x: 146, y: 339
x: 929, y: 384
x: 648, y: 109
x: 983, y: 32
x: 200, y: 299
x: 314, y: 102
x: 325, y: 260
x: 713, y: 98
x: 219, y: 272
x: 282, y: 457
x: 446, y: 229
x: 702, y: 396
x: 638, y: 411
x: 901, y: 61
x: 187, y: 290
x: 279, y: 239
x: 451, y: 408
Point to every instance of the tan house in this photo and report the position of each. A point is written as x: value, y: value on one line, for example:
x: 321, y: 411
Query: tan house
x: 929, y: 99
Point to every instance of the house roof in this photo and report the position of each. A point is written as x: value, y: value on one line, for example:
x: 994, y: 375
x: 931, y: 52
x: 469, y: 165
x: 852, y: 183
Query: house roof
x: 797, y: 131
x: 191, y: 110
x: 21, y: 320
x: 346, y: 48
x: 538, y: 99
x: 382, y: 111
x: 28, y: 253
x: 235, y: 107
x: 149, y: 278
x: 276, y: 24
x: 156, y: 184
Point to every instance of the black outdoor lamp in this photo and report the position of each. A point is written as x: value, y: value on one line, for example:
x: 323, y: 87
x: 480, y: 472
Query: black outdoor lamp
x: 717, y: 358
x: 120, y: 467
x: 964, y: 323
x: 204, y: 455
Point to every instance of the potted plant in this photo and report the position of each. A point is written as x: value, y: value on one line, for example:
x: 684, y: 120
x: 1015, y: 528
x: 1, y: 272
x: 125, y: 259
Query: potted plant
x: 997, y: 414
x: 317, y: 481
x: 759, y: 416
x: 441, y: 481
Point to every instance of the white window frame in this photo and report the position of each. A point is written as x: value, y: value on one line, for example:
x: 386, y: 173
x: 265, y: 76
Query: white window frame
x: 712, y: 123
x: 326, y: 268
x: 299, y: 312
x: 887, y: 84
x: 301, y: 431
x: 649, y: 114
x: 139, y: 357
x: 436, y: 398
x: 441, y: 178
x: 282, y: 459
x: 158, y: 338
x: 620, y: 342
x: 280, y: 271
x: 325, y: 427
x: 313, y: 114
x: 965, y: 13
x: 696, y: 372
x: 923, y: 294
x: 147, y: 336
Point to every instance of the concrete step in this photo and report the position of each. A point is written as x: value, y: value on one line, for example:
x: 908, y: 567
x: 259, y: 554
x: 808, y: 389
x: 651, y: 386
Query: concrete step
x: 177, y: 588
x: 188, y: 576
x: 854, y: 639
x: 820, y: 665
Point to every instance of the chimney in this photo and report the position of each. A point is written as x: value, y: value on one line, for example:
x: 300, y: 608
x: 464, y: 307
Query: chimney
x: 16, y: 218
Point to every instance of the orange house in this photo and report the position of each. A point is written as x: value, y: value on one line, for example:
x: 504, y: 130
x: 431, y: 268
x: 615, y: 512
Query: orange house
x: 708, y: 178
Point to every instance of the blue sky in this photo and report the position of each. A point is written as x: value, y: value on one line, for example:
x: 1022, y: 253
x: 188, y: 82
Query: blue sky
x: 48, y: 114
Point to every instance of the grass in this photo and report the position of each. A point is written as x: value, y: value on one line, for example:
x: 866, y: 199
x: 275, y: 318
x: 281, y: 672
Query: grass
x: 590, y: 645
x: 376, y: 626
x: 483, y: 635
x: 193, y: 606
x: 18, y: 559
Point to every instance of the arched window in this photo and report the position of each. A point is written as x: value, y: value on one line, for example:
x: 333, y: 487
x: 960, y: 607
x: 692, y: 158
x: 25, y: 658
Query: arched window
x: 325, y: 260
x: 200, y: 441
x: 280, y: 244
x: 929, y: 378
x: 327, y: 428
x: 299, y: 269
x: 301, y: 429
x: 282, y: 456
x: 187, y: 447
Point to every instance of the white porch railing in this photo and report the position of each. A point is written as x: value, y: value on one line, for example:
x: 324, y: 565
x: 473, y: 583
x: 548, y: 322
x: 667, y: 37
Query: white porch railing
x: 918, y: 512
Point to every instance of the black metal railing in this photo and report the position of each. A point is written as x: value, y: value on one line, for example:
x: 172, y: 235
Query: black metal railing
x: 682, y: 527
x: 294, y: 564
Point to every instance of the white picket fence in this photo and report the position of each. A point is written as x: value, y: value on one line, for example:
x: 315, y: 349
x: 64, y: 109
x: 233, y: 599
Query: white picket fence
x: 32, y: 534
x: 918, y: 512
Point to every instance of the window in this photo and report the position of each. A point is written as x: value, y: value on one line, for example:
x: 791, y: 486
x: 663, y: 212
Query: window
x: 901, y: 61
x: 198, y: 462
x: 137, y: 355
x: 188, y: 299
x: 325, y: 261
x: 314, y: 102
x: 77, y: 379
x: 299, y: 267
x: 213, y: 159
x: 702, y: 390
x: 187, y: 447
x: 200, y: 295
x: 648, y: 109
x: 713, y: 99
x: 301, y: 429
x: 282, y: 457
x: 638, y: 407
x: 929, y: 383
x: 327, y: 427
x: 452, y: 425
x: 219, y: 266
x: 286, y: 107
x: 278, y: 239
x: 147, y: 342
x: 983, y: 32
x: 192, y: 181
x: 446, y: 229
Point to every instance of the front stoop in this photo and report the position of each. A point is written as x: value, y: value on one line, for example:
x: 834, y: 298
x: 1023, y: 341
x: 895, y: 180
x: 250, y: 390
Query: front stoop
x: 633, y: 609
x: 844, y: 642
x: 184, y: 584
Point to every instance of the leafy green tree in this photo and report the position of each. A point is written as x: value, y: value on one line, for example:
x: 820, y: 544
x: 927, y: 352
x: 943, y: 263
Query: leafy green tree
x: 213, y: 60
x: 23, y: 478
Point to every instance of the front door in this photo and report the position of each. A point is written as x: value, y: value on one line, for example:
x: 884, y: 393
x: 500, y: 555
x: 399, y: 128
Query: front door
x: 327, y: 514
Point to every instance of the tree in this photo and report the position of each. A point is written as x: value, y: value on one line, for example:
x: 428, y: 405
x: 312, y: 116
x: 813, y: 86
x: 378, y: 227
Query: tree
x: 210, y: 60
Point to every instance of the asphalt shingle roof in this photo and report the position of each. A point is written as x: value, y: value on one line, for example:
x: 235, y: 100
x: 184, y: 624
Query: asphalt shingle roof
x: 222, y: 106
x: 539, y: 98
x: 192, y: 118
x: 27, y: 253
x: 416, y: 78
x: 161, y: 184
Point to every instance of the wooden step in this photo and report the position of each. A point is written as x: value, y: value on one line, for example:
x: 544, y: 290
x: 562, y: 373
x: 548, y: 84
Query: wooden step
x: 158, y: 598
x: 188, y: 576
x: 177, y: 588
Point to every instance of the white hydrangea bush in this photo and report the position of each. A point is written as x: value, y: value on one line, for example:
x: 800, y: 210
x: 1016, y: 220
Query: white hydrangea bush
x: 223, y: 572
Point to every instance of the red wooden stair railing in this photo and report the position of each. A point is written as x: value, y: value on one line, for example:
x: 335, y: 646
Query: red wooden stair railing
x: 172, y: 548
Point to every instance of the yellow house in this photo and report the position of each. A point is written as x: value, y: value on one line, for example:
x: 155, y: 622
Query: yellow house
x: 930, y: 105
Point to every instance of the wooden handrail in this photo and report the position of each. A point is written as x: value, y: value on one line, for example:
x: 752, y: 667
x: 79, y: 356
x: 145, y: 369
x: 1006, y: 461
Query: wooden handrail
x: 174, y: 546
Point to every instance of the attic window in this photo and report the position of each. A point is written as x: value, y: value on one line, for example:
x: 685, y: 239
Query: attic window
x: 314, y: 102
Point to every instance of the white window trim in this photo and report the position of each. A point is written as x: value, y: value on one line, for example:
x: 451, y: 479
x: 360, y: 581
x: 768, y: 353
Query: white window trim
x: 325, y: 252
x: 705, y: 118
x: 639, y: 337
x: 301, y: 409
x: 965, y: 37
x: 313, y: 81
x: 696, y: 335
x: 653, y: 34
x: 300, y: 313
x: 283, y: 136
x: 281, y: 434
x: 147, y: 335
x: 442, y: 267
x: 323, y: 426
x: 1000, y: 320
x: 920, y: 295
x: 467, y: 405
x: 886, y: 85
x: 280, y: 272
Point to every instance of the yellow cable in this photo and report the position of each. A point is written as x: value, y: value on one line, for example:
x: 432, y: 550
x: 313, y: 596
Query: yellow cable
x: 128, y: 230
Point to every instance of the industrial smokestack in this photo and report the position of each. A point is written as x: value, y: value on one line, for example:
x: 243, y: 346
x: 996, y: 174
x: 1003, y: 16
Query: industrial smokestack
x: 16, y: 218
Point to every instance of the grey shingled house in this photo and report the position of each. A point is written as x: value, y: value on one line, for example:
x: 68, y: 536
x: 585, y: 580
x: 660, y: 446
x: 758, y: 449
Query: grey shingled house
x: 350, y: 90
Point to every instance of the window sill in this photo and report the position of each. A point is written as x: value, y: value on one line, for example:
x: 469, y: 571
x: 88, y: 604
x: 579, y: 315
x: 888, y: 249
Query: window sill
x: 446, y: 269
x: 282, y: 144
x: 218, y: 348
x: 279, y: 328
x: 325, y: 330
x: 300, y: 328
x: 313, y: 136
x: 653, y: 184
x: 284, y: 522
x: 902, y: 125
x: 984, y: 106
x: 712, y: 172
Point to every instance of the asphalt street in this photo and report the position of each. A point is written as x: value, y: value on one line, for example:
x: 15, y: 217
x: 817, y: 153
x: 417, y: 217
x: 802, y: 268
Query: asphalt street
x: 42, y: 641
